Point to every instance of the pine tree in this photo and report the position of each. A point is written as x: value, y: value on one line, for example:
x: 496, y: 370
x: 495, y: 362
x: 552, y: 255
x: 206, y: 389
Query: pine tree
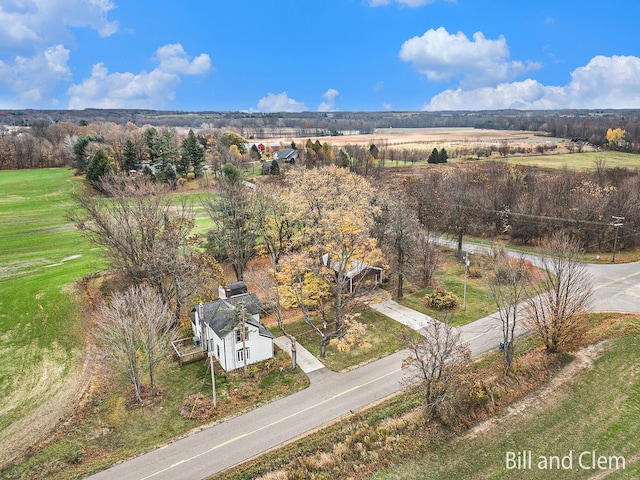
x: 434, y: 157
x: 443, y: 156
x: 191, y: 155
x: 97, y: 167
x: 130, y: 157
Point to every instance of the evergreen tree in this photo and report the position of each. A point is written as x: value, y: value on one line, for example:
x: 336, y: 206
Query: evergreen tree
x: 191, y: 155
x: 434, y: 157
x: 275, y: 167
x: 98, y: 167
x: 152, y: 139
x: 255, y: 153
x: 130, y: 157
x: 80, y: 158
x: 443, y: 156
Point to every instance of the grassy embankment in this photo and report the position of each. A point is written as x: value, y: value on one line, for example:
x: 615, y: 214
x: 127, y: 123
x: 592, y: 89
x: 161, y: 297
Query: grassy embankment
x: 598, y: 411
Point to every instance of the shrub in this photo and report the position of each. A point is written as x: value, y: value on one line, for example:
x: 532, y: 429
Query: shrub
x: 441, y: 299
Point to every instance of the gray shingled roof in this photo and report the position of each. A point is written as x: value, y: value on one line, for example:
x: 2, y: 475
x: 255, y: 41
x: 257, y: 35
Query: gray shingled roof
x: 219, y: 313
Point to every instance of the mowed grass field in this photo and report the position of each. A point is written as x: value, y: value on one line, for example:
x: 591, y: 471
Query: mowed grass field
x: 41, y: 256
x: 578, y: 161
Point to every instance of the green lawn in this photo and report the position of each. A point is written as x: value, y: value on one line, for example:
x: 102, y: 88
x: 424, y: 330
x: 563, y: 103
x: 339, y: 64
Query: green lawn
x: 450, y: 276
x: 579, y: 161
x: 41, y: 256
x: 383, y: 334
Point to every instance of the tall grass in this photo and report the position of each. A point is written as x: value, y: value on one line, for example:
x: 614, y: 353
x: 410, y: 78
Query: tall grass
x: 600, y: 412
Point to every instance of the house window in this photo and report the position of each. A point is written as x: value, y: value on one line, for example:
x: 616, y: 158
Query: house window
x: 239, y: 335
x: 218, y: 351
x: 240, y: 354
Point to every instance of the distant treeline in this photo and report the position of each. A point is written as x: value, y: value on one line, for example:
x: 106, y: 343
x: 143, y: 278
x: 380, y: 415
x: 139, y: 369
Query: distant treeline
x: 39, y: 138
x: 587, y: 125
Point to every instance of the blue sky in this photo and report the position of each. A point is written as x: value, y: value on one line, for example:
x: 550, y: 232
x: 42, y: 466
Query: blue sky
x: 324, y: 55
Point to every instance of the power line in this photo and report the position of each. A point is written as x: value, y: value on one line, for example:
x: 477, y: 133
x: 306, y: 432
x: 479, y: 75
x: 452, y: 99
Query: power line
x: 546, y: 217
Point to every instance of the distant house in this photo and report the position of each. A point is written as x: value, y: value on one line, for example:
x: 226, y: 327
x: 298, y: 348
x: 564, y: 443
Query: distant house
x: 215, y: 325
x: 359, y: 272
x: 288, y: 155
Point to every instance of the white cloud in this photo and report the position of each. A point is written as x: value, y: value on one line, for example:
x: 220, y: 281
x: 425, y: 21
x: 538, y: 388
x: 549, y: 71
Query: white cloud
x: 442, y: 56
x: 32, y: 25
x: 34, y: 44
x: 330, y: 104
x: 605, y: 82
x: 33, y: 78
x: 280, y: 103
x: 141, y: 90
x: 173, y: 59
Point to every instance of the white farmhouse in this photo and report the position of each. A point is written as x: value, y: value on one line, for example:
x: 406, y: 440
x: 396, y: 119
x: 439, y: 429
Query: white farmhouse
x: 216, y: 326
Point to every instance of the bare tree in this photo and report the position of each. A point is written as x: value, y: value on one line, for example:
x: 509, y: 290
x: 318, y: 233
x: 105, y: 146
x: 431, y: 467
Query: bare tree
x: 146, y: 235
x: 136, y: 328
x: 558, y: 306
x: 507, y: 286
x: 155, y: 326
x: 118, y: 334
x: 266, y: 283
x: 436, y: 362
x: 427, y: 257
x: 400, y: 238
x: 461, y: 202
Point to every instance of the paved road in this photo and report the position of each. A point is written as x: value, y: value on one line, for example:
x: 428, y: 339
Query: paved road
x: 333, y: 396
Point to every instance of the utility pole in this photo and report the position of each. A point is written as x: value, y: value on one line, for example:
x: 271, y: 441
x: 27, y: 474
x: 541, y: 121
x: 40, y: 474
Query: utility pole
x: 617, y: 223
x: 210, y: 354
x: 466, y: 271
x: 213, y: 381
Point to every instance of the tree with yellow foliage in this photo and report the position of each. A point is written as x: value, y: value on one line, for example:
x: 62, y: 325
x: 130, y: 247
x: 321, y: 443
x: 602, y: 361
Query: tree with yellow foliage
x: 335, y: 210
x: 615, y: 137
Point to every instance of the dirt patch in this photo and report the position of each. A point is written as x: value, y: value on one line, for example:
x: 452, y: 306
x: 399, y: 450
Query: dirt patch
x: 30, y: 430
x: 554, y: 391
